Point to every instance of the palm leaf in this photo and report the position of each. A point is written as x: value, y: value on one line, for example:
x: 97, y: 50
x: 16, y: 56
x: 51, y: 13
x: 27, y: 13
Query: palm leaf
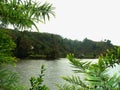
x: 75, y: 80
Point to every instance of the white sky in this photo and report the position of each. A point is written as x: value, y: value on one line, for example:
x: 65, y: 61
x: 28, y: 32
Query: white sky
x: 77, y: 19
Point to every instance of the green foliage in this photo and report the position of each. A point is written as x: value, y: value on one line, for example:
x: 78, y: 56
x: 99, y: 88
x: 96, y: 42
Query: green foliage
x: 6, y: 46
x: 76, y: 81
x: 111, y: 57
x: 95, y: 74
x: 37, y: 83
x: 53, y: 46
x: 23, y: 46
x: 9, y: 80
x: 24, y: 14
x: 66, y: 87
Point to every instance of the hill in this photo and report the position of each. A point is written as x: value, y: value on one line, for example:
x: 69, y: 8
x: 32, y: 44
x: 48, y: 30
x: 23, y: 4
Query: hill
x: 51, y: 46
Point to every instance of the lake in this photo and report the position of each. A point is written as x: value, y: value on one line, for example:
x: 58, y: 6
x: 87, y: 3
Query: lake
x: 55, y: 69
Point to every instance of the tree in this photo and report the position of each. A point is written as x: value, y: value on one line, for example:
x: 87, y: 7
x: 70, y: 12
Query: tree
x: 8, y: 79
x: 23, y: 46
x: 6, y: 46
x: 24, y: 14
x: 95, y: 74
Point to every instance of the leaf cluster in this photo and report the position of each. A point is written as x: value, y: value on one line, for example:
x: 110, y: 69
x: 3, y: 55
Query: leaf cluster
x: 24, y: 14
x: 9, y: 80
x: 95, y: 74
x: 6, y: 46
x: 37, y: 83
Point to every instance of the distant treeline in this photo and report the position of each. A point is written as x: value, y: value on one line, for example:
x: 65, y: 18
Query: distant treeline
x: 38, y: 45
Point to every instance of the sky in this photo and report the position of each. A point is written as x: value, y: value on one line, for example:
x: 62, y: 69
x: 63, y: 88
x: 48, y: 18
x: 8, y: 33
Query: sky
x: 79, y: 19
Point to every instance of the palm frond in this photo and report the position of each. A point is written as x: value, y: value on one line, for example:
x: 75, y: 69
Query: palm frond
x: 75, y: 80
x: 79, y: 65
x: 65, y: 87
x: 21, y: 13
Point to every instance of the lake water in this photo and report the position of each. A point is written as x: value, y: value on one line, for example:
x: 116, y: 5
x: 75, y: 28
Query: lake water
x: 55, y: 69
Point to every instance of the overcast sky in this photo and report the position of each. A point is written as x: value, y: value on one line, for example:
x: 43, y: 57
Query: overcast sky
x: 77, y: 19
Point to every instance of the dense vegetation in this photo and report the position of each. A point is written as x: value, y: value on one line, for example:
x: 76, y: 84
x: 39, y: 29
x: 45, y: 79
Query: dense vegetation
x: 24, y: 15
x: 96, y: 76
x: 20, y: 14
x: 51, y: 46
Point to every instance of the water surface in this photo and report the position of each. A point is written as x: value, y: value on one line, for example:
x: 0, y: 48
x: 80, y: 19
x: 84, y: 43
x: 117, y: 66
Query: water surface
x: 55, y: 69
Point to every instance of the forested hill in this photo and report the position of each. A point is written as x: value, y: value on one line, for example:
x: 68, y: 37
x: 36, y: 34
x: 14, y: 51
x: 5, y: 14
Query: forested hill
x: 51, y: 46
